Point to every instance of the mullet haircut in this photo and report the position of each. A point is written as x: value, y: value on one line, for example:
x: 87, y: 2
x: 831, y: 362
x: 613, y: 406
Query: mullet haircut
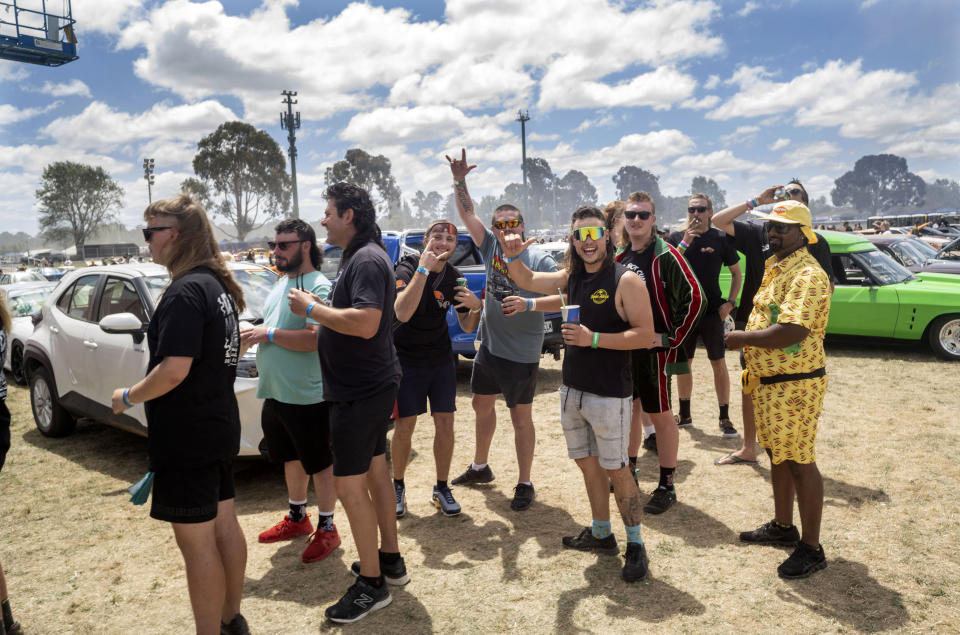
x: 349, y: 196
x: 304, y: 232
x: 574, y: 261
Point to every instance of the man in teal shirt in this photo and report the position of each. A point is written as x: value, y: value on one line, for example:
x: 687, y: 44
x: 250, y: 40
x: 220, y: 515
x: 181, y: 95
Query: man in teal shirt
x: 294, y: 418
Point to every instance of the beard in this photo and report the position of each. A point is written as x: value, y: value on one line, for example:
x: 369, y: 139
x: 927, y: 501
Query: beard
x: 292, y: 264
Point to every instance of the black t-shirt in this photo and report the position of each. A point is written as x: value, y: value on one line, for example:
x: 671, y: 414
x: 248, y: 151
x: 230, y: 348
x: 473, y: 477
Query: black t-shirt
x: 640, y: 263
x: 750, y: 240
x: 707, y: 254
x: 424, y: 339
x: 353, y: 367
x: 197, y: 422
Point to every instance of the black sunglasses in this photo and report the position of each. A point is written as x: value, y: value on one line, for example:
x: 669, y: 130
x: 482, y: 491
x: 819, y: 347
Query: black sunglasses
x: 148, y: 232
x: 780, y: 228
x: 699, y: 209
x: 794, y: 191
x: 634, y: 213
x: 283, y: 244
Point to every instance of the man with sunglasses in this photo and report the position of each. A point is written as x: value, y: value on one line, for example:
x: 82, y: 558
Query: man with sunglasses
x: 596, y: 394
x: 677, y: 302
x: 750, y: 239
x: 786, y: 381
x: 707, y: 249
x: 295, y: 420
x: 426, y: 288
x: 511, y: 335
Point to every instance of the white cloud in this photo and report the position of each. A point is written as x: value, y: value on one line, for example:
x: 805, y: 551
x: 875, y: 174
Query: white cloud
x: 105, y: 16
x: 779, y: 144
x: 721, y: 161
x: 70, y: 88
x: 743, y: 134
x: 404, y: 124
x: 866, y: 4
x: 712, y: 82
x: 11, y: 114
x: 12, y: 71
x: 31, y: 159
x: 701, y: 103
x: 749, y: 8
x: 598, y: 122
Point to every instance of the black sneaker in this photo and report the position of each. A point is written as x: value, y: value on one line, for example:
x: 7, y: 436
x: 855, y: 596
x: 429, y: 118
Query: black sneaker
x: 360, y: 600
x: 237, y: 626
x: 393, y: 573
x: 586, y: 541
x: 637, y: 564
x: 474, y: 477
x: 772, y: 533
x: 661, y: 500
x: 650, y: 443
x: 727, y: 431
x: 683, y: 422
x: 802, y: 562
x: 523, y: 496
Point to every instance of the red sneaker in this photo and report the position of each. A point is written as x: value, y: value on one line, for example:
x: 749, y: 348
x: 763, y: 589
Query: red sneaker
x: 321, y: 545
x: 287, y: 529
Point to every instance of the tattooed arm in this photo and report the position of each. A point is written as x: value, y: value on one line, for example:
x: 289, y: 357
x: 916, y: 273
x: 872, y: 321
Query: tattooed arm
x: 459, y: 169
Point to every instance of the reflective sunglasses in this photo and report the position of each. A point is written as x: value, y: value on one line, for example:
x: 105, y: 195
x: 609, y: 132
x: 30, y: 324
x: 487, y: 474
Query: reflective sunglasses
x: 794, y: 191
x: 641, y: 214
x: 503, y: 224
x: 780, y: 228
x: 148, y: 232
x: 699, y: 209
x: 594, y: 233
x: 283, y: 244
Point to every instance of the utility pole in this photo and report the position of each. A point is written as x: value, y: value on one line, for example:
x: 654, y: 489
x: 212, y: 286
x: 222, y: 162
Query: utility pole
x: 290, y: 122
x: 523, y: 116
x: 148, y: 177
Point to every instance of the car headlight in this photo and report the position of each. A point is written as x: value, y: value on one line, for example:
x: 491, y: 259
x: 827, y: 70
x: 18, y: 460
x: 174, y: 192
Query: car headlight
x: 247, y: 365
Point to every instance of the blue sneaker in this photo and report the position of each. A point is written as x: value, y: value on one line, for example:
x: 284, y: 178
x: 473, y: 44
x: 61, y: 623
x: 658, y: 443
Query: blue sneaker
x: 444, y: 500
x: 401, y: 499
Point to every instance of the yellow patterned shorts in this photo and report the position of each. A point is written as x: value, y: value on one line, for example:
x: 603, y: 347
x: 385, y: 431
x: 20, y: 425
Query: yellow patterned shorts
x: 787, y: 415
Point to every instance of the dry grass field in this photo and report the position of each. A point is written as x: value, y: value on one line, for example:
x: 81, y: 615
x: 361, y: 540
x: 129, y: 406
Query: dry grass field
x: 81, y: 559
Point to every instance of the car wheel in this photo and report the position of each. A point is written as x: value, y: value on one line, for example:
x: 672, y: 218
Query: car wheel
x: 16, y: 363
x: 944, y: 337
x: 51, y: 418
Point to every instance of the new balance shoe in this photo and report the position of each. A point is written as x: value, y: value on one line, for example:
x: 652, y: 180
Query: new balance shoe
x: 474, y: 477
x: 660, y: 501
x: 636, y: 564
x: 802, y: 562
x: 445, y: 502
x: 523, y: 496
x: 772, y: 533
x: 683, y: 422
x: 393, y: 573
x: 586, y: 541
x: 650, y: 443
x: 321, y: 545
x: 287, y: 529
x: 727, y: 431
x: 401, y: 493
x: 360, y: 600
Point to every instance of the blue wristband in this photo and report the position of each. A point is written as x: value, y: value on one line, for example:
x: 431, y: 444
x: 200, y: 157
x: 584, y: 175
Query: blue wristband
x: 310, y: 308
x: 270, y: 332
x: 126, y: 400
x: 509, y: 260
x: 423, y: 270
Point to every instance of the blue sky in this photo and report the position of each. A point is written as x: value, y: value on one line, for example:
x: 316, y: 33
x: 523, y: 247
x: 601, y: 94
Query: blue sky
x: 749, y: 93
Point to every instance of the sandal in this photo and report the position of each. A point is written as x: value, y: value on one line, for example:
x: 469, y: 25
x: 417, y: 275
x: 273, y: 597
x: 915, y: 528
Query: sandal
x: 733, y: 459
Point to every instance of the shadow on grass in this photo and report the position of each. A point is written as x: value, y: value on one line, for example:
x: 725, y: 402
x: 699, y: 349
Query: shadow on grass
x: 627, y: 601
x: 845, y: 592
x: 874, y: 348
x: 839, y: 493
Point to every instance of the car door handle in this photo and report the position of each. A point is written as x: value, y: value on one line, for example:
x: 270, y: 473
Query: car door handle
x: 89, y: 344
x: 54, y: 330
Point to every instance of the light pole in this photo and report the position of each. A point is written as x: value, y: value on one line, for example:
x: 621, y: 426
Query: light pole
x: 523, y: 116
x: 148, y: 177
x: 290, y: 122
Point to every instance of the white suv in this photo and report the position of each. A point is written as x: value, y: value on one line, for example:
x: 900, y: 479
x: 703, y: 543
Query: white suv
x: 73, y: 363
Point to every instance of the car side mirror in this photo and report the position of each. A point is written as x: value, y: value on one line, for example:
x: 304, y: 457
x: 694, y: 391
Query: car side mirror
x: 120, y: 323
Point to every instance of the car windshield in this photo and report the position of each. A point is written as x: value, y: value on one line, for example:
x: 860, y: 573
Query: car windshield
x: 882, y: 267
x: 27, y: 276
x: 28, y: 302
x: 951, y: 251
x: 913, y: 252
x: 255, y: 282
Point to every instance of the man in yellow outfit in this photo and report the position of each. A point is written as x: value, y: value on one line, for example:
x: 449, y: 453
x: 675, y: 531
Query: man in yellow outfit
x: 786, y: 378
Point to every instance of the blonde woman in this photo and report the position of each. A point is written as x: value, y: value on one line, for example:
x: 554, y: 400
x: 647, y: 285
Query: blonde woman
x: 193, y: 422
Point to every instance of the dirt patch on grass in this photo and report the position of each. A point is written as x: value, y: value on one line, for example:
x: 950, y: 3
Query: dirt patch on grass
x: 80, y: 558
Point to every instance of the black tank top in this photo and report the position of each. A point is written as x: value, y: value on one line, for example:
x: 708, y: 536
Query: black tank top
x: 601, y: 371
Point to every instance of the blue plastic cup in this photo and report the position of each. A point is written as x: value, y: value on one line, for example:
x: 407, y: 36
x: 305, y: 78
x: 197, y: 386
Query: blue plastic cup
x: 571, y: 313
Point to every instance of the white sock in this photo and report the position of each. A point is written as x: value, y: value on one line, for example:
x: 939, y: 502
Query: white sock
x: 477, y: 466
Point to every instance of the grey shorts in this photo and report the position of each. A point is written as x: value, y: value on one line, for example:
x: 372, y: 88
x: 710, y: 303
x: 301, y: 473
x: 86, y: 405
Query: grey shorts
x: 596, y: 426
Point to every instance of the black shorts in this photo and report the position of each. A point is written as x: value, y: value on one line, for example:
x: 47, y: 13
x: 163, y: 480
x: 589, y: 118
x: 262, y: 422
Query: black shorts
x: 4, y: 431
x: 651, y: 384
x: 191, y: 495
x: 493, y: 375
x: 710, y: 332
x: 358, y: 431
x: 438, y: 382
x: 296, y: 432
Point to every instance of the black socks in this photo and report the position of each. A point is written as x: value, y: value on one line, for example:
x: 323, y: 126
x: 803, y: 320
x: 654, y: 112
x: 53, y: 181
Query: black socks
x: 724, y: 408
x: 666, y: 477
x: 684, y: 408
x: 298, y: 511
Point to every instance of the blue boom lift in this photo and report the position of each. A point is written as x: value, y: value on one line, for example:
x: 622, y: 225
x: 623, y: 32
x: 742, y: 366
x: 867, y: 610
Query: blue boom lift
x: 31, y: 33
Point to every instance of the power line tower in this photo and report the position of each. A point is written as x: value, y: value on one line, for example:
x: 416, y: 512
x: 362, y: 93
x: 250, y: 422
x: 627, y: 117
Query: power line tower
x: 290, y: 121
x: 148, y: 177
x: 523, y: 116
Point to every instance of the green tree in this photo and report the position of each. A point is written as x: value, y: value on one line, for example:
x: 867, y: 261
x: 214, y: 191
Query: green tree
x: 942, y: 193
x: 573, y: 190
x: 630, y: 178
x: 76, y: 200
x: 428, y: 207
x: 372, y: 173
x: 705, y: 185
x: 877, y: 183
x: 241, y: 176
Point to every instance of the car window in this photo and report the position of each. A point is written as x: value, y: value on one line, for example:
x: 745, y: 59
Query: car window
x: 120, y: 296
x: 331, y: 262
x: 80, y: 296
x: 256, y: 283
x: 874, y: 266
x: 29, y: 302
x: 5, y: 279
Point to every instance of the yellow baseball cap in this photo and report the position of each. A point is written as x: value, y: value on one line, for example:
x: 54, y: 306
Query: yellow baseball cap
x: 792, y: 213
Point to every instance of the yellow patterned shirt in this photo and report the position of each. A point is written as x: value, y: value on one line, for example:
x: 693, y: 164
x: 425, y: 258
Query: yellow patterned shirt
x: 795, y: 290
